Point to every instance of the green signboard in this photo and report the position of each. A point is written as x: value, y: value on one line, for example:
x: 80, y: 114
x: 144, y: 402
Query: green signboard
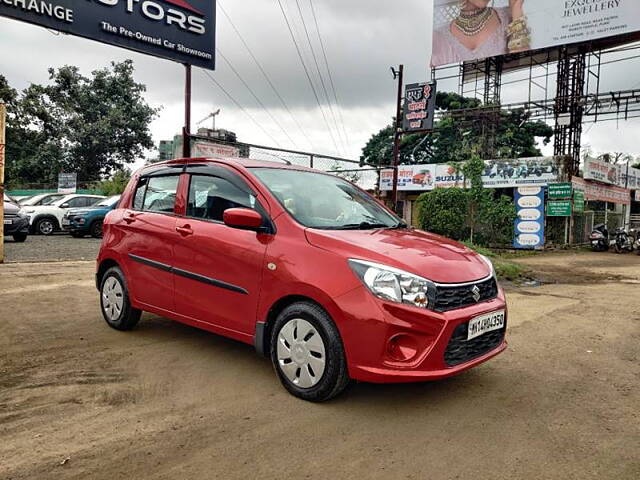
x: 578, y: 201
x: 559, y: 208
x: 559, y: 191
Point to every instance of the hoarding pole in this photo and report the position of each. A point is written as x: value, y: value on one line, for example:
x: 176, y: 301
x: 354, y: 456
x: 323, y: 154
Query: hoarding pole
x: 3, y: 115
x: 397, y: 136
x: 186, y: 130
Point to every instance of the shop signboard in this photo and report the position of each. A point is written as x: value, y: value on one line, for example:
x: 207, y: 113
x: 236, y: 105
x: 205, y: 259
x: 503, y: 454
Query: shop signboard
x: 419, y: 107
x: 601, y: 171
x: 602, y: 193
x: 178, y: 30
x: 529, y: 224
x: 559, y: 208
x: 532, y: 25
x: 67, y: 182
x: 560, y: 191
x: 507, y: 173
x: 578, y: 201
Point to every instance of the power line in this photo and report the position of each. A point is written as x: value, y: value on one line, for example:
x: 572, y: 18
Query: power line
x: 264, y: 73
x: 315, y: 61
x: 237, y: 104
x: 306, y: 71
x: 326, y: 61
x: 235, y: 71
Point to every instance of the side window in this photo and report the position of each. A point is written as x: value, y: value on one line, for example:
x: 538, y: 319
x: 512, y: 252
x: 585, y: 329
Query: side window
x: 161, y: 194
x: 88, y: 201
x: 138, y: 198
x: 76, y: 202
x: 209, y: 197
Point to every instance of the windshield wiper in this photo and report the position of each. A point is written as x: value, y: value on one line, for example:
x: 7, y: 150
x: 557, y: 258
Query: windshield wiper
x: 361, y: 226
x: 399, y: 226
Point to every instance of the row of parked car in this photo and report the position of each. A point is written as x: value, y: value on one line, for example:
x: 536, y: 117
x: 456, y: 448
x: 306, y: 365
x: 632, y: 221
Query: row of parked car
x: 45, y: 214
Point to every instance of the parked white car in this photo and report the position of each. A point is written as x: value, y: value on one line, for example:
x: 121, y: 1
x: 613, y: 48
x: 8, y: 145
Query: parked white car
x: 41, y: 199
x: 47, y: 219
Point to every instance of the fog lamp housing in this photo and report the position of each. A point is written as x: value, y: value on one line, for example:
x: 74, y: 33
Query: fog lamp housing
x: 402, y: 348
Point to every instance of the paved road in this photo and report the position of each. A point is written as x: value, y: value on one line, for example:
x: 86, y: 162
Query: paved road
x: 78, y: 400
x: 53, y: 248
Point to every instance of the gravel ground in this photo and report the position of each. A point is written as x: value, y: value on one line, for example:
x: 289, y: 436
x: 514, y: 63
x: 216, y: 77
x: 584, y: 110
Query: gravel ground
x: 58, y: 247
x: 166, y: 401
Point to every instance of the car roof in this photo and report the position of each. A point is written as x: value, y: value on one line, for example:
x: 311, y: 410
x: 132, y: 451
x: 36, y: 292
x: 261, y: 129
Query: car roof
x: 237, y: 162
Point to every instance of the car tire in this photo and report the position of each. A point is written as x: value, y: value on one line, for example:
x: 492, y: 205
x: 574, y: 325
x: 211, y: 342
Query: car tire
x: 45, y: 226
x: 96, y: 229
x: 77, y: 234
x: 307, y: 353
x: 20, y: 237
x: 115, y: 303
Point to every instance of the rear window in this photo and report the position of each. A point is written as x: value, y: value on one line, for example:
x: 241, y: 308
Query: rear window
x: 156, y: 194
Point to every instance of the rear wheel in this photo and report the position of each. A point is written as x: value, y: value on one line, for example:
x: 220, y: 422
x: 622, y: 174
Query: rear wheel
x: 307, y: 353
x: 20, y: 237
x: 96, y: 229
x: 114, y: 301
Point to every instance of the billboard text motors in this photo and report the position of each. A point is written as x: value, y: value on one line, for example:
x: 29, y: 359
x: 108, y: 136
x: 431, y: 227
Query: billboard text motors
x: 468, y: 30
x: 179, y: 30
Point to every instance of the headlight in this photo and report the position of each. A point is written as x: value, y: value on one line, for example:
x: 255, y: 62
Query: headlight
x: 29, y: 210
x: 393, y: 284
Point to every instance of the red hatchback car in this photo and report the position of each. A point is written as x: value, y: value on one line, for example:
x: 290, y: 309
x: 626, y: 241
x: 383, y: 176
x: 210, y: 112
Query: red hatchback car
x: 305, y: 266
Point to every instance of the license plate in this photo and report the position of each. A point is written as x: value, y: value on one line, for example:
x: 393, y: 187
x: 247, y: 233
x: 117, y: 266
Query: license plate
x: 8, y: 222
x: 66, y: 223
x: 485, y: 323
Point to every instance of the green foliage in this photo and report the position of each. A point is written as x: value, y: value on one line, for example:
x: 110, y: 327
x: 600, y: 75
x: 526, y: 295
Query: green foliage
x: 114, y: 185
x: 472, y: 213
x: 515, y: 136
x: 89, y: 125
x: 505, y: 269
x: 444, y: 211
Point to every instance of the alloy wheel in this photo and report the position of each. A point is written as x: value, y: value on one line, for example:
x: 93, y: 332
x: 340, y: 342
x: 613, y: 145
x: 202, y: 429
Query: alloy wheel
x: 301, y: 353
x: 46, y: 227
x: 112, y: 298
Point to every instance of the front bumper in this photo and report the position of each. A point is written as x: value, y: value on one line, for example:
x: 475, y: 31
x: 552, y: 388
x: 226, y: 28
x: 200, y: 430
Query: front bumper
x: 17, y: 225
x: 73, y: 225
x: 369, y: 324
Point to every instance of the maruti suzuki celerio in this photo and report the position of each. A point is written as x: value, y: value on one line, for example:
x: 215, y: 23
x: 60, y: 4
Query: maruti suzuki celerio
x: 305, y: 266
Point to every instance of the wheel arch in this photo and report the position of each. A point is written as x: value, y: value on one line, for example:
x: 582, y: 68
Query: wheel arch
x: 105, y: 265
x: 264, y: 327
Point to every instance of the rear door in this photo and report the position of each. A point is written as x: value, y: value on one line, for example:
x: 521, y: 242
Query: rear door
x: 149, y: 234
x: 218, y: 269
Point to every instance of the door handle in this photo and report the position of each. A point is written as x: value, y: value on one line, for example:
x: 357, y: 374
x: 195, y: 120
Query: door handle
x: 130, y: 217
x: 184, y: 230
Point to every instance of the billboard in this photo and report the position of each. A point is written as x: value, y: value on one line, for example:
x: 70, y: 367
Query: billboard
x: 179, y: 30
x: 623, y: 175
x: 419, y: 107
x: 529, y: 223
x: 506, y: 173
x: 67, y: 182
x: 483, y: 29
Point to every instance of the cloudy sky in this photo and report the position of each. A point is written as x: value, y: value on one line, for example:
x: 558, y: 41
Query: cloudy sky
x: 363, y: 38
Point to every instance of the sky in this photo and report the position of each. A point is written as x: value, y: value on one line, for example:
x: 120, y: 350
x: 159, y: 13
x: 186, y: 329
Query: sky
x: 363, y: 39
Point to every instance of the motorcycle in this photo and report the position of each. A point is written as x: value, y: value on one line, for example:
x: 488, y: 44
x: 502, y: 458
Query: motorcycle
x: 627, y: 241
x: 600, y: 238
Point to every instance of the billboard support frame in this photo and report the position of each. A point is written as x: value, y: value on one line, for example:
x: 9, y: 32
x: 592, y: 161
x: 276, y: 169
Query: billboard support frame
x: 186, y: 130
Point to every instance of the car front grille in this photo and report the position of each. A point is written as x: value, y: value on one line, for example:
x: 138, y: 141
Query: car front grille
x: 452, y: 297
x: 460, y: 350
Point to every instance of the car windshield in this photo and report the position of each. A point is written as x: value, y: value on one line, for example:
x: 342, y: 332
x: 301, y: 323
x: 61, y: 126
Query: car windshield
x: 108, y: 202
x: 318, y: 200
x: 46, y: 199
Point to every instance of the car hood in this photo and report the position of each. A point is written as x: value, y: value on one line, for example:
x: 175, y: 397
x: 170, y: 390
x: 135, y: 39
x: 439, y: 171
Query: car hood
x: 425, y: 254
x: 85, y: 210
x: 10, y: 208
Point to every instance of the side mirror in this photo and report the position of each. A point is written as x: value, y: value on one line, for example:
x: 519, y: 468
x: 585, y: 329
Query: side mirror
x: 242, y: 218
x: 64, y: 205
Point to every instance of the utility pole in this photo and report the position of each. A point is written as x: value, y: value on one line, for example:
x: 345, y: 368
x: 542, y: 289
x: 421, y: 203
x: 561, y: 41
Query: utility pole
x: 186, y: 130
x: 397, y: 75
x: 3, y: 121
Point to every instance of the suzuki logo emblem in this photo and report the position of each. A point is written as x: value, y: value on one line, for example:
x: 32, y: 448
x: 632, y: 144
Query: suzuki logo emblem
x: 475, y: 291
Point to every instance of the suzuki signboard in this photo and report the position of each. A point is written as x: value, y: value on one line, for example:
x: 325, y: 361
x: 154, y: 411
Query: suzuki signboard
x: 179, y: 30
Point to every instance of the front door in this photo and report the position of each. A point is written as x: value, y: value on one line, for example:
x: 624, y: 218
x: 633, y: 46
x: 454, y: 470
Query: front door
x: 218, y: 269
x: 149, y: 234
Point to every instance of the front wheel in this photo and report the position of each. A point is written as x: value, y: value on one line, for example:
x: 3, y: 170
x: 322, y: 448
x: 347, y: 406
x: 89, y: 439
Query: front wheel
x: 307, y: 353
x: 96, y: 229
x: 114, y: 301
x: 46, y: 226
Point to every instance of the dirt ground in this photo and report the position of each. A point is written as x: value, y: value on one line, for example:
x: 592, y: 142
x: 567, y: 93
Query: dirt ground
x: 79, y: 400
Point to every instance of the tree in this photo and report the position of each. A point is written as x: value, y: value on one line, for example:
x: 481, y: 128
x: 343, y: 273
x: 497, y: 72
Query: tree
x: 515, y: 136
x: 92, y: 125
x: 116, y: 184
